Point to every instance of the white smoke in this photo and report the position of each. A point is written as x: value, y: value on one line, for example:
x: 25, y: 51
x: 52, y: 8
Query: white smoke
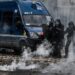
x: 21, y: 64
x: 44, y: 49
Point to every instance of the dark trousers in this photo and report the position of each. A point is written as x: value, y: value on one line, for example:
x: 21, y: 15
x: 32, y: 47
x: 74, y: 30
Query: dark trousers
x: 57, y: 49
x: 67, y: 46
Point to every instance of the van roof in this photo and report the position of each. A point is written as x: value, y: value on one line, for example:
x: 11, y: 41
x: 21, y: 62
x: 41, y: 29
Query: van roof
x: 26, y: 8
x: 8, y: 6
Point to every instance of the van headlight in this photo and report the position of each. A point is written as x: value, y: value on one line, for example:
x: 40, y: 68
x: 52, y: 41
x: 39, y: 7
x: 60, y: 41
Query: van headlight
x: 34, y: 35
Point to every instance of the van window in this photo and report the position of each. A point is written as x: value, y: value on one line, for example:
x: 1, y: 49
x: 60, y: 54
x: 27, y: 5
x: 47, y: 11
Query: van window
x: 8, y: 17
x: 35, y: 20
x: 10, y: 23
x: 6, y: 22
x: 0, y: 16
x: 0, y: 21
x: 18, y: 25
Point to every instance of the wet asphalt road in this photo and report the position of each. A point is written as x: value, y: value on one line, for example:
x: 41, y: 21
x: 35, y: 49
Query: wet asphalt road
x: 20, y: 73
x: 31, y: 73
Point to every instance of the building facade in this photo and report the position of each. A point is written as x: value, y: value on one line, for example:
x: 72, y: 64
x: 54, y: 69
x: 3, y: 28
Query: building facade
x: 63, y: 9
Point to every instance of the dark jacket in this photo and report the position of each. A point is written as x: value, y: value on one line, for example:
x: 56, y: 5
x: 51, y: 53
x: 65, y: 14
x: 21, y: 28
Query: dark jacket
x: 58, y: 32
x: 70, y: 31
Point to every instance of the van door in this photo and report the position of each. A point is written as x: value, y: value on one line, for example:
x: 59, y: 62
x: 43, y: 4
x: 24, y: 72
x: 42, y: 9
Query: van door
x: 17, y: 29
x: 6, y: 19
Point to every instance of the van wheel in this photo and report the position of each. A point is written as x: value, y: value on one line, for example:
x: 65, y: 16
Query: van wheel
x: 18, y: 52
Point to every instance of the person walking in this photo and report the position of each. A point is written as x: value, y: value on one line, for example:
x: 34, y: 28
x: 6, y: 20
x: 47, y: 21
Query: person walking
x: 70, y: 32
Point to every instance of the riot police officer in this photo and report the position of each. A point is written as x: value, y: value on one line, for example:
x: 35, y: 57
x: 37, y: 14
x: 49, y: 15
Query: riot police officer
x: 51, y: 26
x: 48, y: 31
x: 58, y: 36
x: 70, y: 33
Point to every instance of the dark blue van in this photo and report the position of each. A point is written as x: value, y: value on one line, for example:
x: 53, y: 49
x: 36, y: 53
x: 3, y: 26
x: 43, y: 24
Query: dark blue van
x: 33, y: 15
x: 21, y: 24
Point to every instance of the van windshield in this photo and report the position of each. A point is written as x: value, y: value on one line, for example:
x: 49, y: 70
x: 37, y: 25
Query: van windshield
x: 36, y: 20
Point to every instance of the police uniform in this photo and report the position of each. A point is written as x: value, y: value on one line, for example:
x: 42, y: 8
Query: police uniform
x: 70, y: 33
x: 58, y: 36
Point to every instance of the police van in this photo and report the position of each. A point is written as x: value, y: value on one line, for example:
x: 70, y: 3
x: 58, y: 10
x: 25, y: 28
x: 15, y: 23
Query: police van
x: 21, y: 24
x: 34, y: 15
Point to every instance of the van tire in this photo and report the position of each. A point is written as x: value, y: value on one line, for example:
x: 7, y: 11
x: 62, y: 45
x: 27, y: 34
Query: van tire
x: 18, y: 52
